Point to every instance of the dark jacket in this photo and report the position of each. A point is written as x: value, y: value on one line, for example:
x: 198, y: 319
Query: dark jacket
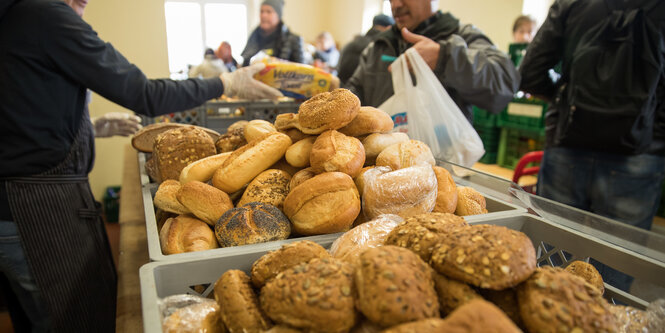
x: 555, y: 42
x: 282, y: 44
x: 470, y: 67
x: 350, y: 56
x: 48, y: 57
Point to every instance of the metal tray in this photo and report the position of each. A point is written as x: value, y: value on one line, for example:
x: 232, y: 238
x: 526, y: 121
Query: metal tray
x: 556, y: 245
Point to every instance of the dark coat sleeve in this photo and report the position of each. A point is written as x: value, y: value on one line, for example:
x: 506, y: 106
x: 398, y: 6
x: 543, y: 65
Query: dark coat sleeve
x: 355, y: 82
x: 81, y: 55
x: 348, y: 59
x: 297, y: 48
x: 480, y: 73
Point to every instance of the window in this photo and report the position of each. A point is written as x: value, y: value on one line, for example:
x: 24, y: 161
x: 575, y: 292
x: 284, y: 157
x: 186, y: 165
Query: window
x: 194, y: 25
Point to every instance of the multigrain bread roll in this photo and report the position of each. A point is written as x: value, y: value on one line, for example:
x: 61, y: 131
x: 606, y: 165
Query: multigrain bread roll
x: 231, y: 140
x: 405, y: 192
x: 333, y: 151
x: 300, y: 177
x: 469, y: 202
x: 552, y: 298
x: 151, y: 169
x: 203, y: 169
x: 252, y: 223
x: 326, y: 203
x: 632, y: 320
x: 429, y: 325
x: 165, y: 197
x: 175, y: 149
x: 369, y: 120
x: 365, y: 236
x: 405, y: 154
x: 506, y: 300
x: 328, y: 111
x: 446, y: 193
x: 289, y: 255
x: 588, y: 273
x: 257, y: 128
x: 206, y: 202
x: 375, y: 143
x: 269, y: 187
x: 197, y: 317
x: 298, y: 154
x: 394, y: 286
x: 452, y: 293
x: 246, y: 163
x: 316, y: 296
x: 239, y: 306
x: 486, y: 256
x: 186, y: 234
x: 144, y: 139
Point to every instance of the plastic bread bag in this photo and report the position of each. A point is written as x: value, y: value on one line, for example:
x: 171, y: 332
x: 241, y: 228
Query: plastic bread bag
x: 365, y: 236
x: 295, y: 80
x: 656, y: 316
x: 189, y: 313
x: 404, y: 192
x: 629, y: 319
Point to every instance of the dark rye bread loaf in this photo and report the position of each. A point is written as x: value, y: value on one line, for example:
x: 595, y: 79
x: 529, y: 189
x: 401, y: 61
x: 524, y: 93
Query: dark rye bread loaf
x: 176, y: 148
x: 252, y: 223
x: 144, y: 139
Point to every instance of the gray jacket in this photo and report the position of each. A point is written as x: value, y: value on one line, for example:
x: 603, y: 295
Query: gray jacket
x: 470, y: 67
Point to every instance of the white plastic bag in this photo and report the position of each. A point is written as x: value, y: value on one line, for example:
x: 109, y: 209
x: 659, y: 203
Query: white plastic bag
x: 426, y: 112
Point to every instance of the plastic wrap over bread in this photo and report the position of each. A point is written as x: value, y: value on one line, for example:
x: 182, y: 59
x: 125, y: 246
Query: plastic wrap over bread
x: 367, y: 235
x: 404, y: 192
x: 189, y: 313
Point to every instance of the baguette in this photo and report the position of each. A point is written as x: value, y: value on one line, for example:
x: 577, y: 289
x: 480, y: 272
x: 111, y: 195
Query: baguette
x: 203, y: 169
x: 143, y: 139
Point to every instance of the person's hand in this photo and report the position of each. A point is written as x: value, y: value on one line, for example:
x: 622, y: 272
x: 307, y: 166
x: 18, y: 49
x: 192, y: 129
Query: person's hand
x: 427, y: 48
x: 241, y: 83
x: 116, y: 123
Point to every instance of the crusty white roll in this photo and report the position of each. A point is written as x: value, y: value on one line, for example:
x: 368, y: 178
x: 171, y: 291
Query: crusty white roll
x: 404, y: 192
x: 295, y: 134
x: 246, y: 163
x: 333, y: 151
x: 405, y: 154
x: 369, y: 120
x: 165, y: 198
x: 186, y: 234
x: 375, y: 143
x: 470, y: 202
x: 286, y: 121
x: 240, y: 124
x: 300, y: 177
x: 257, y: 128
x: 326, y: 203
x: 269, y: 187
x: 298, y: 154
x: 446, y: 194
x: 203, y: 169
x: 206, y: 202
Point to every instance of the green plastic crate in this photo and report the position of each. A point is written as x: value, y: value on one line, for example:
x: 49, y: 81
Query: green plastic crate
x: 489, y: 135
x: 483, y: 117
x: 112, y: 203
x: 489, y: 158
x: 524, y: 114
x: 514, y: 143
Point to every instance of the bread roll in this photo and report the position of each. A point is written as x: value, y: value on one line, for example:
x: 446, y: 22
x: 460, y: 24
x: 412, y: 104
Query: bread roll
x: 588, y: 273
x: 186, y: 234
x: 300, y: 177
x: 405, y: 154
x: 239, y: 306
x: 452, y: 293
x: 175, y: 149
x: 144, y: 139
x: 151, y: 169
x: 165, y: 197
x: 327, y: 111
x: 375, y: 143
x: 257, y: 128
x: 268, y: 187
x: 206, y: 202
x: 333, y: 151
x: 479, y: 315
x: 405, y: 192
x: 246, y: 163
x: 289, y: 255
x: 283, y: 165
x: 238, y: 124
x: 295, y: 134
x: 252, y: 223
x: 446, y: 194
x: 203, y: 169
x: 365, y: 236
x: 230, y: 141
x: 469, y: 202
x: 197, y: 317
x: 326, y: 203
x: 369, y: 120
x: 360, y: 179
x: 286, y: 121
x: 298, y: 154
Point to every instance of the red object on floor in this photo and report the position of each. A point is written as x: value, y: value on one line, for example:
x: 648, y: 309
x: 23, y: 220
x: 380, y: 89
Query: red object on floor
x: 522, y: 170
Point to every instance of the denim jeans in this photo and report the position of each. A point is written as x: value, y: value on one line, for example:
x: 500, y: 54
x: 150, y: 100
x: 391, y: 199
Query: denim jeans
x: 14, y: 265
x: 623, y: 188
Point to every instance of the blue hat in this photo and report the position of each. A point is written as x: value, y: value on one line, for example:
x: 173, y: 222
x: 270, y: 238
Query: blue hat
x: 383, y: 20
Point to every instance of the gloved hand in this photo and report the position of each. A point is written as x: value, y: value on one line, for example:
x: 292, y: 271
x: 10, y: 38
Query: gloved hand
x: 241, y: 83
x: 116, y: 123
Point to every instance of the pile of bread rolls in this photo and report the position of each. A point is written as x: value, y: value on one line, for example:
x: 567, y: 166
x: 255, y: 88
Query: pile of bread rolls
x: 433, y: 273
x: 321, y: 170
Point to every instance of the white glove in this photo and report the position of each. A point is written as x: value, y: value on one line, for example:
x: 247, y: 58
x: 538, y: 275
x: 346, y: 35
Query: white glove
x: 241, y: 83
x: 116, y: 123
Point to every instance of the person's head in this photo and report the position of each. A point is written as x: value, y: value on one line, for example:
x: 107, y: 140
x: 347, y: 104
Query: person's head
x: 524, y: 29
x: 77, y: 5
x: 324, y: 41
x: 410, y: 13
x: 224, y: 51
x: 208, y: 52
x: 382, y: 22
x: 271, y: 15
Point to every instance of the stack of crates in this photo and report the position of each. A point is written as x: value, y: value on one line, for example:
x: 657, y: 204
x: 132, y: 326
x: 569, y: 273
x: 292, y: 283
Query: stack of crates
x: 522, y: 130
x: 485, y: 124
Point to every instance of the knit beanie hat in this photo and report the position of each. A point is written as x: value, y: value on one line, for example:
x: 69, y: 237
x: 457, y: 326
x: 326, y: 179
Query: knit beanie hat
x: 277, y: 5
x: 383, y: 20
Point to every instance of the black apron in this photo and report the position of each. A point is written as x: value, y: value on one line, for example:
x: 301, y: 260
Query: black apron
x: 65, y: 241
